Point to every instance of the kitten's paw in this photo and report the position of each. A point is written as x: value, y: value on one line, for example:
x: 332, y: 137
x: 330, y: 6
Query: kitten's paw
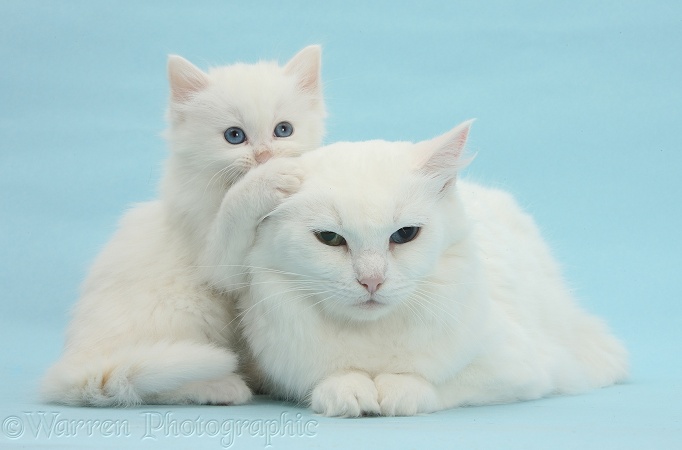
x: 348, y: 395
x: 229, y: 390
x: 405, y: 395
x: 283, y: 176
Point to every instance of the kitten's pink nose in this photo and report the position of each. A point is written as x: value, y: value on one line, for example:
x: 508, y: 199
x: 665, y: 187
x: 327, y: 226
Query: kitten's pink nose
x: 263, y: 156
x: 372, y: 284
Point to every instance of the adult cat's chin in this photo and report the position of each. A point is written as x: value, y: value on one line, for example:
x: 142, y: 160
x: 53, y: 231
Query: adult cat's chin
x: 371, y: 305
x: 364, y: 310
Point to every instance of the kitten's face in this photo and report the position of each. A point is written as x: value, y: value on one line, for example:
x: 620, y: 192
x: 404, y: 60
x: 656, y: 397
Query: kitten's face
x: 367, y: 227
x: 233, y: 118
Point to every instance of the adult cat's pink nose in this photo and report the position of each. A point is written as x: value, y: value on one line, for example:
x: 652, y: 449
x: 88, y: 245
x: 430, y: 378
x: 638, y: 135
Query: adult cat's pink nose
x: 372, y: 284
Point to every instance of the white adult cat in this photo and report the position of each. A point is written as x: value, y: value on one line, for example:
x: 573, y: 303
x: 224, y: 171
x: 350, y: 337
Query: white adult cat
x: 387, y: 286
x: 148, y: 328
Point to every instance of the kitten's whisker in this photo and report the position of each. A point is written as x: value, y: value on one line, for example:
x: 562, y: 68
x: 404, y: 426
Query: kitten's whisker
x: 191, y: 181
x: 217, y: 174
x: 231, y: 176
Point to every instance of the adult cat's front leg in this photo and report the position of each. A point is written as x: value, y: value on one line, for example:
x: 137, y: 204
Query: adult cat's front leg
x: 405, y: 394
x: 234, y: 229
x: 347, y: 394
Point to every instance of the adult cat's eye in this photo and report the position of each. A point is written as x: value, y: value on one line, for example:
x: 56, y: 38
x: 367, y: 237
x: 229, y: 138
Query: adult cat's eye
x: 330, y: 238
x: 284, y: 129
x: 405, y: 234
x: 235, y: 135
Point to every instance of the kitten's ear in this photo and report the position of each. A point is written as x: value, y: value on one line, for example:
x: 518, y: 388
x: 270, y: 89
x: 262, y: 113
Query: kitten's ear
x: 185, y: 78
x: 306, y: 66
x: 443, y: 156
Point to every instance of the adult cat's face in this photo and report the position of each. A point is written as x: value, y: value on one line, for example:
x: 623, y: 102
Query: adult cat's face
x: 367, y: 227
x: 233, y: 118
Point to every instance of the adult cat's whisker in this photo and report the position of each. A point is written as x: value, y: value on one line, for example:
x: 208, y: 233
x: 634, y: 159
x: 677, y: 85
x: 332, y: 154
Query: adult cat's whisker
x: 433, y: 303
x: 414, y: 312
x: 425, y: 306
x: 233, y: 279
x: 442, y: 297
x: 312, y: 305
x: 309, y: 285
x: 298, y: 298
x: 445, y: 283
x: 225, y: 285
x: 436, y: 298
x: 264, y: 299
x: 241, y: 316
x: 251, y: 267
x: 225, y: 279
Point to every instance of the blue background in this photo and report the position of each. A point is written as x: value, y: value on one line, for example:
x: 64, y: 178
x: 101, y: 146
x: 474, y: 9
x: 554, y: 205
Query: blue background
x: 579, y: 115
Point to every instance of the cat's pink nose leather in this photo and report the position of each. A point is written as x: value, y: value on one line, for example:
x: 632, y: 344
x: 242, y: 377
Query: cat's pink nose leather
x: 263, y: 156
x: 371, y: 283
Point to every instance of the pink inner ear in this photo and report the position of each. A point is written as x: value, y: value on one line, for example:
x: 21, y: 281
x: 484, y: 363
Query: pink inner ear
x: 306, y: 66
x: 185, y: 79
x: 456, y: 139
x: 184, y: 86
x: 461, y: 138
x: 447, y: 149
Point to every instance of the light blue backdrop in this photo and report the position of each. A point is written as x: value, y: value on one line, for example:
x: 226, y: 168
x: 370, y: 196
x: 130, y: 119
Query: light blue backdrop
x: 579, y: 115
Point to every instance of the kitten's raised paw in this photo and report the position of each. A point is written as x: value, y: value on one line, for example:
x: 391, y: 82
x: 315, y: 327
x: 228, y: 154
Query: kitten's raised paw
x: 284, y: 176
x: 405, y: 394
x: 349, y: 394
x: 229, y: 390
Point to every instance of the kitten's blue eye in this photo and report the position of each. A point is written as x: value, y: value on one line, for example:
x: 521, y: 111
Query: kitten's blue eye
x: 405, y: 234
x: 330, y: 238
x: 284, y: 129
x: 235, y: 135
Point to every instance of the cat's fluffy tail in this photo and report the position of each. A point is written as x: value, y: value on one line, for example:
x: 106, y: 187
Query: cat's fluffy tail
x: 133, y: 375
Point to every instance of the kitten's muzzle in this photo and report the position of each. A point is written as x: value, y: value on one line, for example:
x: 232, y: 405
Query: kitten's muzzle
x: 263, y: 156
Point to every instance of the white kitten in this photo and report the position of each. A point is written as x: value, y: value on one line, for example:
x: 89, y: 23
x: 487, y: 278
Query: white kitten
x: 386, y: 286
x: 148, y: 328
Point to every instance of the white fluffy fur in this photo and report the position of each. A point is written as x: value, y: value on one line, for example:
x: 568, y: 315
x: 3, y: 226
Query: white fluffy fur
x: 472, y: 311
x: 148, y: 327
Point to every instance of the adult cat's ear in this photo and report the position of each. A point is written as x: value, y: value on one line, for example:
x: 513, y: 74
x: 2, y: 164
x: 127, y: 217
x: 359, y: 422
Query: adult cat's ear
x: 442, y: 157
x: 185, y: 78
x: 306, y: 65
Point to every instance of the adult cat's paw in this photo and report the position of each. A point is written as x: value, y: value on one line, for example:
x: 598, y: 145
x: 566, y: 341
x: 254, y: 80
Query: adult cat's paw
x: 349, y: 394
x: 405, y: 395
